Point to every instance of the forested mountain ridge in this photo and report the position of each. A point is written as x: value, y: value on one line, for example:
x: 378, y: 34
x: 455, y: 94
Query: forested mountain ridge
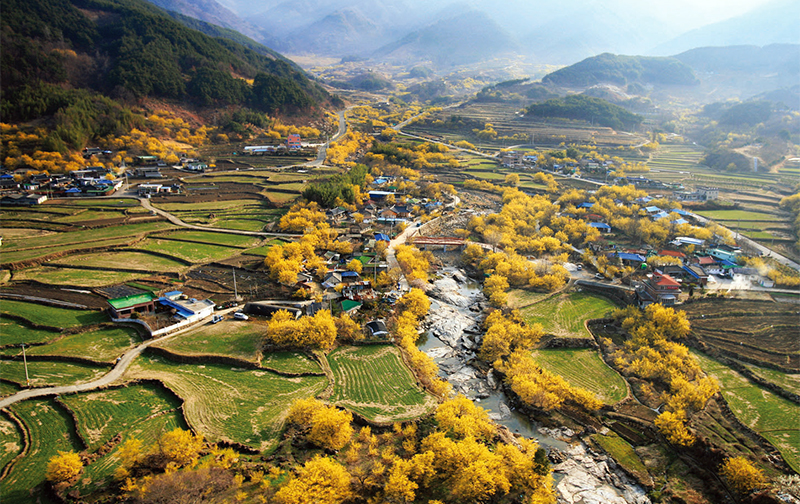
x: 623, y: 70
x: 130, y: 49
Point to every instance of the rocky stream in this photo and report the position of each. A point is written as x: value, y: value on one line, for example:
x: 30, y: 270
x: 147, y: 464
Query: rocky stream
x: 452, y: 338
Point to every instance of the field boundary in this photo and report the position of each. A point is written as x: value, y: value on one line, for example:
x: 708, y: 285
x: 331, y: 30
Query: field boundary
x: 26, y: 441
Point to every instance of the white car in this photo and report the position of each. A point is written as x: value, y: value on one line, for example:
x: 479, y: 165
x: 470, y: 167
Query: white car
x: 240, y: 316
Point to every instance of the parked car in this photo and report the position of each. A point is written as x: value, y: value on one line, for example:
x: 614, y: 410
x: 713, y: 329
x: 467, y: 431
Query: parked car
x: 580, y: 267
x: 240, y: 316
x: 599, y: 276
x: 216, y: 318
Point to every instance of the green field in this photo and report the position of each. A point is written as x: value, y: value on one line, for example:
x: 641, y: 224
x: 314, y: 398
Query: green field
x: 129, y: 260
x: 374, y: 382
x: 584, y: 368
x: 622, y: 452
x: 76, y: 277
x: 10, y: 441
x: 290, y: 362
x: 88, y: 237
x: 735, y: 215
x: 50, y: 430
x: 229, y: 337
x: 225, y: 403
x: 787, y: 381
x: 35, y: 253
x: 103, y: 345
x: 564, y: 315
x: 13, y: 332
x: 771, y: 416
x: 225, y: 239
x: 193, y: 252
x: 49, y: 374
x: 50, y: 315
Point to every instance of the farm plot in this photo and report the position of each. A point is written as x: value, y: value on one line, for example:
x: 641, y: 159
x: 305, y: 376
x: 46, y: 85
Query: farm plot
x: 584, y: 368
x: 14, y: 332
x: 771, y: 416
x: 193, y: 252
x: 232, y: 338
x: 374, y: 382
x: 226, y: 239
x: 75, y: 277
x: 225, y: 403
x: 50, y: 430
x: 103, y: 345
x: 290, y: 362
x: 10, y: 441
x: 264, y: 249
x: 129, y: 260
x: 563, y: 315
x: 787, y: 381
x: 103, y: 414
x: 49, y: 374
x: 734, y: 215
x: 755, y: 331
x: 50, y: 315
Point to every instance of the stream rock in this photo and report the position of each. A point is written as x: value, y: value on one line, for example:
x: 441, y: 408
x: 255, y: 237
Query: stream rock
x: 589, y: 478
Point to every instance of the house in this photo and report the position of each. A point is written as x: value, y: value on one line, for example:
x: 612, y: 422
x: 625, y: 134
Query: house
x: 696, y: 274
x: 350, y: 277
x: 23, y: 199
x: 359, y: 291
x: 660, y: 288
x: 724, y: 255
x: 125, y: 307
x: 349, y: 306
x: 388, y: 213
x: 332, y: 279
x: 188, y: 309
x: 628, y: 258
x: 672, y: 253
x: 603, y: 227
x: 401, y: 211
x: 746, y: 274
x: 382, y: 237
x: 293, y: 142
x: 147, y: 172
x: 377, y: 329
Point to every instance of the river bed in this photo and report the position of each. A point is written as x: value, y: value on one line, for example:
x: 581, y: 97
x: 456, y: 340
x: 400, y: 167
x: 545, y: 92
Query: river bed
x: 452, y: 337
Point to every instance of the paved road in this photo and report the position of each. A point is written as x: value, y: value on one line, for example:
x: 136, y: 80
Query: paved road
x: 107, y: 379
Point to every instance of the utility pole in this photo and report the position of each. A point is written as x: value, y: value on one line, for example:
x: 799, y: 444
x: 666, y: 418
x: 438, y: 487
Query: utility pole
x: 235, y: 292
x: 25, y: 361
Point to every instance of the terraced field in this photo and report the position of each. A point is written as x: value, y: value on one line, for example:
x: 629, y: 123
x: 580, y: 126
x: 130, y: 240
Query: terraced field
x: 675, y: 157
x: 192, y: 252
x: 584, y: 368
x: 771, y: 416
x: 127, y: 260
x: 374, y: 382
x: 226, y: 403
x: 230, y: 337
x: 10, y: 441
x: 787, y: 381
x: 290, y: 362
x: 51, y: 316
x: 564, y: 315
x: 49, y: 374
x: 50, y: 430
x: 251, y: 212
x: 103, y: 345
x: 75, y: 277
x: 14, y: 332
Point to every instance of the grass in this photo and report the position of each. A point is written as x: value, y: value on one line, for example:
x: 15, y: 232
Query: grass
x: 76, y: 277
x: 734, y: 215
x: 7, y: 389
x: 89, y: 236
x: 49, y: 374
x: 242, y: 224
x: 584, y: 368
x: 771, y: 416
x: 374, y: 382
x: 30, y: 254
x: 280, y: 198
x: 232, y: 338
x: 290, y: 362
x: 103, y: 345
x: 226, y: 403
x: 10, y: 441
x: 13, y: 332
x: 103, y: 414
x: 787, y: 381
x: 563, y: 315
x: 130, y: 260
x: 50, y: 315
x: 193, y: 252
x: 50, y: 430
x: 621, y: 451
x: 262, y: 250
x: 519, y: 298
x: 227, y: 239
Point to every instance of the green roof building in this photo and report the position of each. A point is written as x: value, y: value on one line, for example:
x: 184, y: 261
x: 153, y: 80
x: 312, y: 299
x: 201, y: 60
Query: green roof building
x: 124, y: 307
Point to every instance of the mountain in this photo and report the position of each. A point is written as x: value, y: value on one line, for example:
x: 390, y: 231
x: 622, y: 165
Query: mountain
x: 339, y: 33
x: 211, y: 12
x: 774, y: 22
x: 469, y: 37
x: 623, y: 70
x: 131, y: 49
x: 743, y: 71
